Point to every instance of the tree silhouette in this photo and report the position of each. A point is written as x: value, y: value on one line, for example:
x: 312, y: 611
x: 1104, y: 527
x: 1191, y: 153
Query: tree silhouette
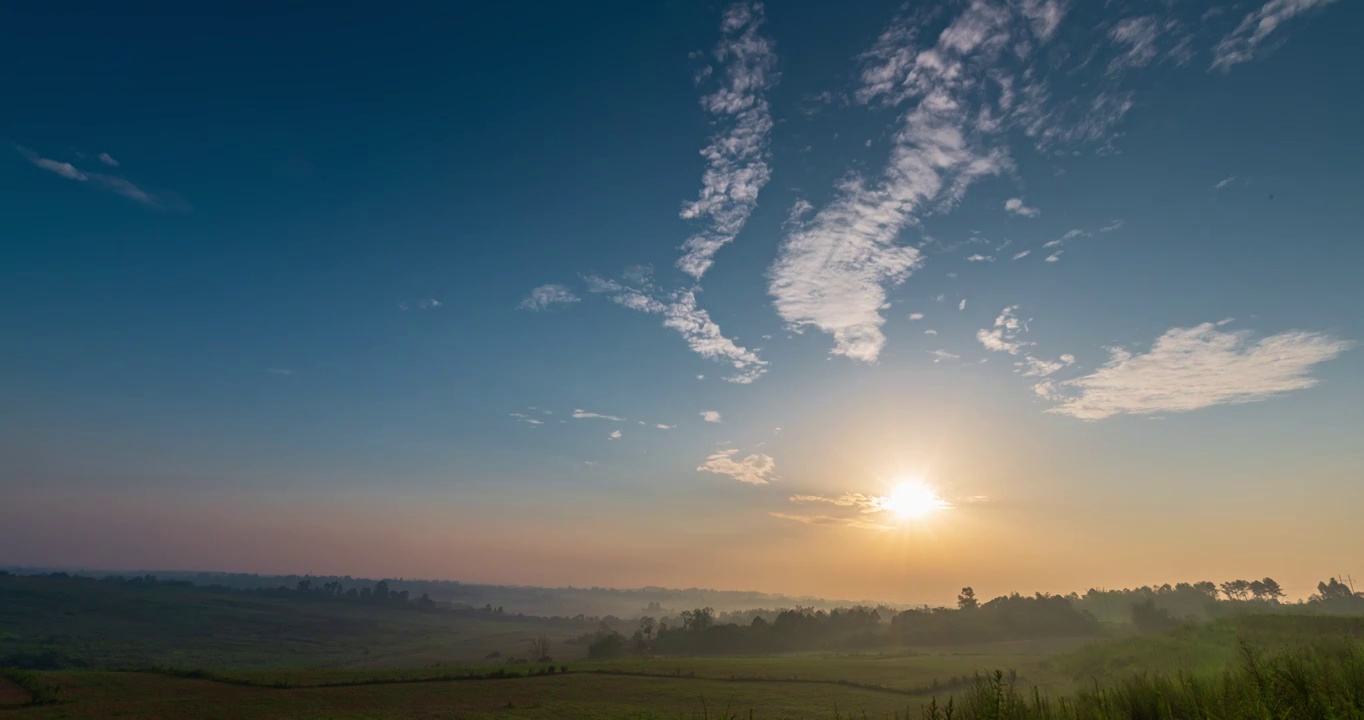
x: 967, y: 599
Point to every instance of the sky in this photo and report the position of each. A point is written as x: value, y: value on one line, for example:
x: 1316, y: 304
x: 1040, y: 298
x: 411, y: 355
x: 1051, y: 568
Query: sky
x: 686, y: 294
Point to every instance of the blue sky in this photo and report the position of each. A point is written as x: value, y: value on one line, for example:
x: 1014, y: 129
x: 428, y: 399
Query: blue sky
x: 1079, y: 269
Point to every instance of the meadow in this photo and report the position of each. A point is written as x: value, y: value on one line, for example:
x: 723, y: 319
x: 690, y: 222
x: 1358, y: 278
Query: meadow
x: 183, y: 652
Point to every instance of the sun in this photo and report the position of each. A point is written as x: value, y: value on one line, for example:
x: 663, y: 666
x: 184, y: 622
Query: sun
x: 913, y: 501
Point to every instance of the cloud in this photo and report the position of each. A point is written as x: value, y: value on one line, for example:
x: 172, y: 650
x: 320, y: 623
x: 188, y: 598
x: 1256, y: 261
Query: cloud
x: 832, y: 273
x: 961, y: 305
x: 1111, y: 227
x: 941, y: 355
x: 424, y: 304
x: 1193, y: 368
x: 756, y: 469
x: 1015, y: 206
x: 1003, y: 336
x: 615, y: 435
x: 980, y: 258
x: 1242, y: 44
x: 1138, y: 36
x: 711, y: 416
x: 681, y: 313
x: 737, y: 156
x: 827, y: 521
x: 1225, y: 182
x: 107, y: 159
x: 916, y: 316
x: 930, y: 331
x: 280, y: 371
x: 661, y: 426
x: 1070, y: 235
x: 585, y: 415
x: 522, y: 417
x: 1054, y: 257
x: 1021, y: 255
x: 112, y: 183
x: 546, y: 295
x: 1031, y: 366
x: 705, y: 339
x: 863, y: 503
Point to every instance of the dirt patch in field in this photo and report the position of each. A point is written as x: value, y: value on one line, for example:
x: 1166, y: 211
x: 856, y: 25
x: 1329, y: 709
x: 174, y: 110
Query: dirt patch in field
x: 11, y: 694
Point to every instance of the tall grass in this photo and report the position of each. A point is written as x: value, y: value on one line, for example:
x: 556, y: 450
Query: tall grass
x: 1315, y: 683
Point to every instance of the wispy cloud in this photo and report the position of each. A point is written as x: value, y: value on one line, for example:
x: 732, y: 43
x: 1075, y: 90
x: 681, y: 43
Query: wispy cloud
x: 107, y: 159
x: 1031, y: 366
x: 548, y: 295
x: 980, y: 258
x: 585, y: 415
x: 826, y: 520
x: 661, y: 426
x: 833, y: 272
x: 1224, y: 182
x: 1015, y: 206
x: 522, y: 417
x: 755, y: 469
x: 1243, y: 43
x: 112, y: 183
x: 916, y: 316
x: 1054, y: 257
x: 737, y: 156
x: 1003, y: 337
x: 1021, y: 255
x: 961, y: 305
x: 711, y: 416
x: 422, y: 304
x: 1192, y: 368
x: 941, y: 355
x: 1112, y: 227
x: 681, y: 313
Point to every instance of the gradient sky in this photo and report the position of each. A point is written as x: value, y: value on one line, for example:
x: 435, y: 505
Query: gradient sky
x: 633, y: 294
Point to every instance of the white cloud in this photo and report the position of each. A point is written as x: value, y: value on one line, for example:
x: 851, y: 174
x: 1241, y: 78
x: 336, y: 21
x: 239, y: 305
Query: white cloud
x: 980, y: 258
x: 1021, y: 255
x: 615, y: 435
x: 1138, y: 36
x: 1054, y: 257
x: 705, y: 339
x: 1241, y: 44
x: 1192, y: 368
x: 1003, y: 337
x: 420, y: 304
x: 1015, y: 206
x: 826, y: 520
x: 962, y: 305
x: 661, y: 426
x: 711, y: 416
x: 522, y: 417
x: 1031, y: 366
x: 1225, y: 182
x: 941, y: 355
x: 681, y: 313
x: 1070, y: 235
x: 832, y: 273
x: 111, y: 183
x: 916, y: 316
x: 756, y: 469
x: 108, y: 159
x: 737, y: 156
x: 930, y: 331
x: 547, y: 295
x: 1115, y: 225
x: 585, y: 415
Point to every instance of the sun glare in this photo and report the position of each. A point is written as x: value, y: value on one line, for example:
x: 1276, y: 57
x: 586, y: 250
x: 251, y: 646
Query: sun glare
x: 913, y: 501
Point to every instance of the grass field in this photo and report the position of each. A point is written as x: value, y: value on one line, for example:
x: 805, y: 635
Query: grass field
x: 189, y: 653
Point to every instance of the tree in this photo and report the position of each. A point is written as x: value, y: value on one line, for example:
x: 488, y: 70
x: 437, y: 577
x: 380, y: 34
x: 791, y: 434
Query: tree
x: 1236, y: 589
x: 698, y: 619
x: 646, y: 627
x: 1272, y: 591
x: 539, y: 648
x: 1333, y: 589
x: 967, y: 599
x: 1146, y: 617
